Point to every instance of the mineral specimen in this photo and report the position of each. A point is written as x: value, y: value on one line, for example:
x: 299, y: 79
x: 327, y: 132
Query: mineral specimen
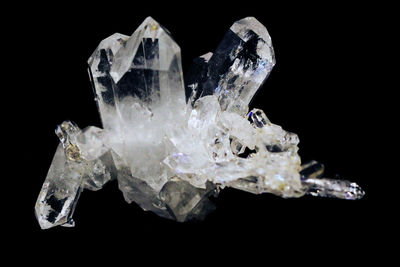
x: 171, y: 145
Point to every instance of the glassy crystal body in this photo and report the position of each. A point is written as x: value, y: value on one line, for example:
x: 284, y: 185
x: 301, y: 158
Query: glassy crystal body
x: 81, y: 161
x: 148, y: 103
x: 237, y: 68
x: 172, y: 145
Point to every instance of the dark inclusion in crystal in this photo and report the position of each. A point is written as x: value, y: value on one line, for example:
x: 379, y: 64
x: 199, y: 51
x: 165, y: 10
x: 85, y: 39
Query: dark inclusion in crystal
x: 216, y: 74
x: 141, y: 82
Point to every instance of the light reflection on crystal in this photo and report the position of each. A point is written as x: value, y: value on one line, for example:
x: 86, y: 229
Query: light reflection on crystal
x: 172, y: 146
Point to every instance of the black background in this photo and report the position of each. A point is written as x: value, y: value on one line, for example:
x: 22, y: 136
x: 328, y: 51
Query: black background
x: 320, y: 88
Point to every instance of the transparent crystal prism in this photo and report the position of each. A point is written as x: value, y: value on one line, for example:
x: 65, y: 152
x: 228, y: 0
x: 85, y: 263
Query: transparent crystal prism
x: 59, y: 193
x: 103, y: 85
x: 238, y: 67
x: 173, y: 146
x: 80, y: 161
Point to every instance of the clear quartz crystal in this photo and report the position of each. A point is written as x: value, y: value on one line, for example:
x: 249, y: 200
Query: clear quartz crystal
x: 238, y: 67
x: 80, y: 162
x: 103, y: 85
x: 173, y: 146
x: 59, y: 193
x: 333, y: 188
x: 149, y: 98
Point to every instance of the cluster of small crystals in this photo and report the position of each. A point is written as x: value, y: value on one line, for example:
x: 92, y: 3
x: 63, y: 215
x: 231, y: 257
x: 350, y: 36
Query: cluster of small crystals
x: 173, y: 144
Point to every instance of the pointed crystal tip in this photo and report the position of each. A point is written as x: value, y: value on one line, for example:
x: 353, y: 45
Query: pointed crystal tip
x: 354, y: 192
x: 142, y: 50
x: 334, y: 188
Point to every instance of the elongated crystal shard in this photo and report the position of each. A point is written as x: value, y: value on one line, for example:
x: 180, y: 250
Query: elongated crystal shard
x: 150, y: 104
x: 81, y: 161
x: 239, y: 66
x: 334, y: 188
x: 324, y: 187
x: 60, y: 192
x: 100, y: 63
x: 148, y: 69
x: 149, y: 91
x: 63, y: 185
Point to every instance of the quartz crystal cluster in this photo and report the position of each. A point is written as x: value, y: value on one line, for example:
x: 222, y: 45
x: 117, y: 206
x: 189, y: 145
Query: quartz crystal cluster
x: 173, y: 143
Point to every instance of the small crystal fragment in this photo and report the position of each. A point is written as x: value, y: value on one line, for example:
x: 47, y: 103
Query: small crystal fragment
x: 334, y: 188
x: 184, y: 200
x: 259, y: 118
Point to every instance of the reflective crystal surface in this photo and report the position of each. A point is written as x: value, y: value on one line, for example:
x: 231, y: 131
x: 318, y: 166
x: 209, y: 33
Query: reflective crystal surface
x: 59, y: 193
x: 99, y: 72
x: 81, y: 161
x: 238, y: 67
x: 173, y: 146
